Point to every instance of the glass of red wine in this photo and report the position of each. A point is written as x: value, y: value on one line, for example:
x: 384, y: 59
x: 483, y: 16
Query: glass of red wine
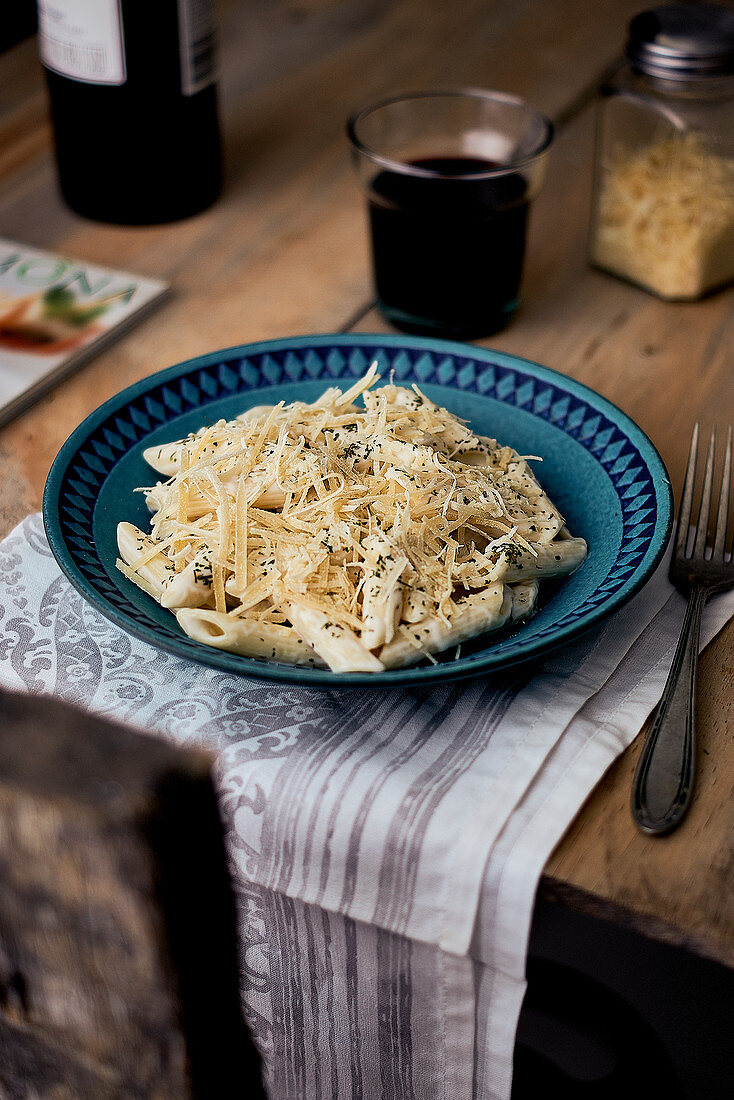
x: 449, y: 177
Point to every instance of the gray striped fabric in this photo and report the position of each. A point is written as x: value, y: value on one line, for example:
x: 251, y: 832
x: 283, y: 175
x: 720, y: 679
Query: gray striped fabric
x: 386, y: 847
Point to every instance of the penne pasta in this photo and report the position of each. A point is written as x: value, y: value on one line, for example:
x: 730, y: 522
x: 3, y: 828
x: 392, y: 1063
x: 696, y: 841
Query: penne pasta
x: 556, y: 559
x: 367, y: 530
x: 417, y: 604
x: 524, y: 599
x: 249, y: 638
x: 135, y: 549
x: 382, y: 596
x: 488, y: 610
x: 337, y: 644
x: 192, y: 587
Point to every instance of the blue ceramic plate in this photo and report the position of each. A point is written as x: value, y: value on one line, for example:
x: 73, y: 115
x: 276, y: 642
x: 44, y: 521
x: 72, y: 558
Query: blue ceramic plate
x: 598, y: 467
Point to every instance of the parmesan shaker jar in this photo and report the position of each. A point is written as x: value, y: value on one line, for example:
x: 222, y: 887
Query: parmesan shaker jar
x: 663, y: 205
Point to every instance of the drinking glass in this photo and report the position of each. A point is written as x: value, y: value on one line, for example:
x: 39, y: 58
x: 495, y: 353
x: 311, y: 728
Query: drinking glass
x: 449, y: 177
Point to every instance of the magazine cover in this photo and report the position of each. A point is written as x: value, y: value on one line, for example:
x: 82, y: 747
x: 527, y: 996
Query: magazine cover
x: 55, y: 313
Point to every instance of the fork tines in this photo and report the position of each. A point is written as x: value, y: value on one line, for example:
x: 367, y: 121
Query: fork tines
x: 702, y: 521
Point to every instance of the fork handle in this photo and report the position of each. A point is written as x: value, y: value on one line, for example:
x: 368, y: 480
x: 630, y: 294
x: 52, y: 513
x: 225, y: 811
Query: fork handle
x: 663, y: 782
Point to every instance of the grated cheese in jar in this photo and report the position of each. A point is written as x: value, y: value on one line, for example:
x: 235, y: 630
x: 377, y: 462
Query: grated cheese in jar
x: 665, y: 217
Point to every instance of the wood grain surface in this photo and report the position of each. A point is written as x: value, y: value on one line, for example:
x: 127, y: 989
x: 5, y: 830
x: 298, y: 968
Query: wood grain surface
x: 118, y: 951
x: 285, y: 251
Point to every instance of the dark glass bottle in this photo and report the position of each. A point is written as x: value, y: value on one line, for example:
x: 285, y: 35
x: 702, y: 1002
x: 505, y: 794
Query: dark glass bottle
x: 134, y: 106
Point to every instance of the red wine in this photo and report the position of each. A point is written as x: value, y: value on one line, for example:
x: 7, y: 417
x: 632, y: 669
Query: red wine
x: 448, y: 249
x: 133, y: 106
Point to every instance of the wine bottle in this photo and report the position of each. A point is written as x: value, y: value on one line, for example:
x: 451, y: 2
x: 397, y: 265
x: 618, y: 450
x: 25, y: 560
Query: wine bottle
x: 132, y: 87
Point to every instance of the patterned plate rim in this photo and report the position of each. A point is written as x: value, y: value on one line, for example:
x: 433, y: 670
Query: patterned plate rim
x: 484, y: 661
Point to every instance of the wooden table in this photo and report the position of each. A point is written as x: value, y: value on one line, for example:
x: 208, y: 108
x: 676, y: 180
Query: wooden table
x: 284, y: 251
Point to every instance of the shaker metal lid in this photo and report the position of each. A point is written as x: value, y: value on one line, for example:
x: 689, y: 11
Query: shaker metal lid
x: 681, y: 42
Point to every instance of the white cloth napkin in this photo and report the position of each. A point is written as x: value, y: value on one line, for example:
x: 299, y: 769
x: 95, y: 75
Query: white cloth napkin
x: 418, y: 817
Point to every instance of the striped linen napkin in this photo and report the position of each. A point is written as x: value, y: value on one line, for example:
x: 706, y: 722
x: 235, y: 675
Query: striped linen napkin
x: 385, y: 846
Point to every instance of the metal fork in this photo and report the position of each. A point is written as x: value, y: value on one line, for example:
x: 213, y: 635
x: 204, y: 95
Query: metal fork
x: 663, y: 782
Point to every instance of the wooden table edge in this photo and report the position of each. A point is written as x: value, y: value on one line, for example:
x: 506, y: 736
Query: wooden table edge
x: 557, y: 892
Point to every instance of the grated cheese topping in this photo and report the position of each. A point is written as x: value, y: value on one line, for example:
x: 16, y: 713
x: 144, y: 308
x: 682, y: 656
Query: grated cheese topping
x: 355, y: 521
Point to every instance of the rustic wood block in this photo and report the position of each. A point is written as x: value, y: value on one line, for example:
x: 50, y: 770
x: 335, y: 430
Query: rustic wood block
x: 118, y: 954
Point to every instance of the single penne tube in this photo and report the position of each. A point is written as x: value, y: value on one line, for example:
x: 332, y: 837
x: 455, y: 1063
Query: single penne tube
x: 335, y: 643
x: 557, y: 559
x: 524, y: 599
x: 134, y: 545
x: 192, y: 586
x: 258, y: 590
x: 246, y: 637
x: 380, y: 612
x: 486, y: 610
x: 407, y: 455
x: 382, y: 596
x: 544, y: 524
x: 456, y: 436
x: 416, y: 604
x: 166, y: 458
x: 162, y: 500
x: 551, y: 520
x: 258, y: 487
x: 474, y: 458
x: 547, y: 520
x: 541, y: 528
x: 503, y: 615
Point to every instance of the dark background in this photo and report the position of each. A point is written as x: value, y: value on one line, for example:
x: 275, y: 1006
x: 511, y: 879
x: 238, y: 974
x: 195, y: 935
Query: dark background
x: 17, y: 23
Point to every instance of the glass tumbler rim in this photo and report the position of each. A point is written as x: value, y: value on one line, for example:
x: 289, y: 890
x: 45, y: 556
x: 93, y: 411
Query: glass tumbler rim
x: 359, y: 146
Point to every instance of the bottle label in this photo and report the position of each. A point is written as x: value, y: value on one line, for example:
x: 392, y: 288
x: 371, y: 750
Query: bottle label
x: 197, y: 44
x: 83, y: 39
